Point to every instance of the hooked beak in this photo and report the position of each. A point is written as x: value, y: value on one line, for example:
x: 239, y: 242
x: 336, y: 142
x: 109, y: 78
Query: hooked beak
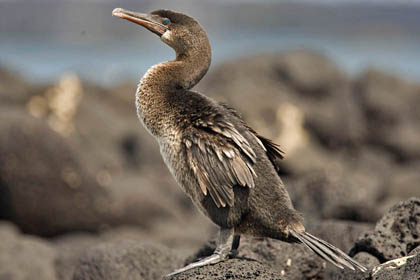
x: 144, y: 20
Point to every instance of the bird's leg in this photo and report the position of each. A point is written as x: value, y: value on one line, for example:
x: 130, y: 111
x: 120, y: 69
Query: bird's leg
x: 235, y: 245
x: 222, y: 251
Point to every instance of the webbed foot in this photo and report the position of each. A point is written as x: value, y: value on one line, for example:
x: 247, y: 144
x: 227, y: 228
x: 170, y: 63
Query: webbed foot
x: 224, y: 248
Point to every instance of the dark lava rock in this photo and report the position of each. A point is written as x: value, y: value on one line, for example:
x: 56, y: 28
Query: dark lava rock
x: 70, y: 249
x: 294, y: 261
x: 110, y: 115
x: 415, y: 251
x: 386, y: 99
x: 309, y: 72
x: 44, y: 189
x: 291, y: 261
x: 231, y: 269
x: 74, y: 246
x: 406, y: 268
x: 348, y: 274
x: 24, y: 257
x: 337, y: 195
x: 338, y: 121
x: 395, y: 235
x: 390, y: 106
x: 403, y: 180
x: 366, y: 259
x: 126, y: 260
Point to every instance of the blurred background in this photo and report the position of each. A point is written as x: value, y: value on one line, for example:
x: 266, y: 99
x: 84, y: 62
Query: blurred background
x: 335, y: 83
x: 43, y: 38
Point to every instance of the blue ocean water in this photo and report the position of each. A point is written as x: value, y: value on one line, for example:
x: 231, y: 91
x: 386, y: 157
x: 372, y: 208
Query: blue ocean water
x: 108, y: 62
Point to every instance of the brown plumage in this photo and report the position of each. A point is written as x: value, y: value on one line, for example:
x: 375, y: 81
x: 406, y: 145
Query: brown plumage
x: 227, y: 169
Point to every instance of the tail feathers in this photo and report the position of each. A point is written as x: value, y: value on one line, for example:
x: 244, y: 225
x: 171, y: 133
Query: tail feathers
x: 327, y: 251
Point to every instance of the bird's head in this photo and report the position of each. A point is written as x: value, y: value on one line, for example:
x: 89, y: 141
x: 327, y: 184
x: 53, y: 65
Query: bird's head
x: 181, y: 32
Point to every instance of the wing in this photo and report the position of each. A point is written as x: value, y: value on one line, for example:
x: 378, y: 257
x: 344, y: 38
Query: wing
x: 274, y: 152
x: 220, y: 158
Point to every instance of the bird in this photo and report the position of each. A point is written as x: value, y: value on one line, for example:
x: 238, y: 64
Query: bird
x: 229, y: 171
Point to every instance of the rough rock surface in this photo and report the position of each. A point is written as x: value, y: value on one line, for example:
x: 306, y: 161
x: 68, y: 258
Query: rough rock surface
x: 126, y: 260
x: 292, y: 261
x: 366, y: 259
x: 415, y: 251
x: 396, y: 231
x: 231, y: 269
x: 395, y: 235
x: 24, y: 257
x: 406, y: 268
x: 71, y: 248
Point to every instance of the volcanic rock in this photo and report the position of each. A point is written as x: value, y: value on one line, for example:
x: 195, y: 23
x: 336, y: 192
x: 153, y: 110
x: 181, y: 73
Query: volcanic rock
x: 231, y: 269
x: 43, y: 188
x: 126, y: 260
x: 395, y: 235
x: 24, y: 257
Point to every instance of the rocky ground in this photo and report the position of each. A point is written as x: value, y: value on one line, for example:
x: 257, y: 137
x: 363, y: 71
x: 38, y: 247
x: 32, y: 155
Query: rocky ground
x: 85, y: 195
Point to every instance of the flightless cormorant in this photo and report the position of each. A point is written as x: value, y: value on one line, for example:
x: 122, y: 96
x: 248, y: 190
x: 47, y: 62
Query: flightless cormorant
x: 226, y: 168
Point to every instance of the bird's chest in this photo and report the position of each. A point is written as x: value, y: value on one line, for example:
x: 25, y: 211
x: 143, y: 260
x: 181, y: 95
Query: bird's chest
x: 173, y: 154
x: 170, y: 149
x: 153, y: 118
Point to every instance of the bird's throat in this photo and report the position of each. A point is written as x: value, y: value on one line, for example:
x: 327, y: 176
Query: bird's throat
x: 162, y: 81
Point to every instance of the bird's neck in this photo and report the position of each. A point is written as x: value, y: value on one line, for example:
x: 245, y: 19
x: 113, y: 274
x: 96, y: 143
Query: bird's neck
x: 180, y: 74
x: 157, y: 88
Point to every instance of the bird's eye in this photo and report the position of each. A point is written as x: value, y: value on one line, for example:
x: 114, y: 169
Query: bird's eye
x: 166, y: 22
